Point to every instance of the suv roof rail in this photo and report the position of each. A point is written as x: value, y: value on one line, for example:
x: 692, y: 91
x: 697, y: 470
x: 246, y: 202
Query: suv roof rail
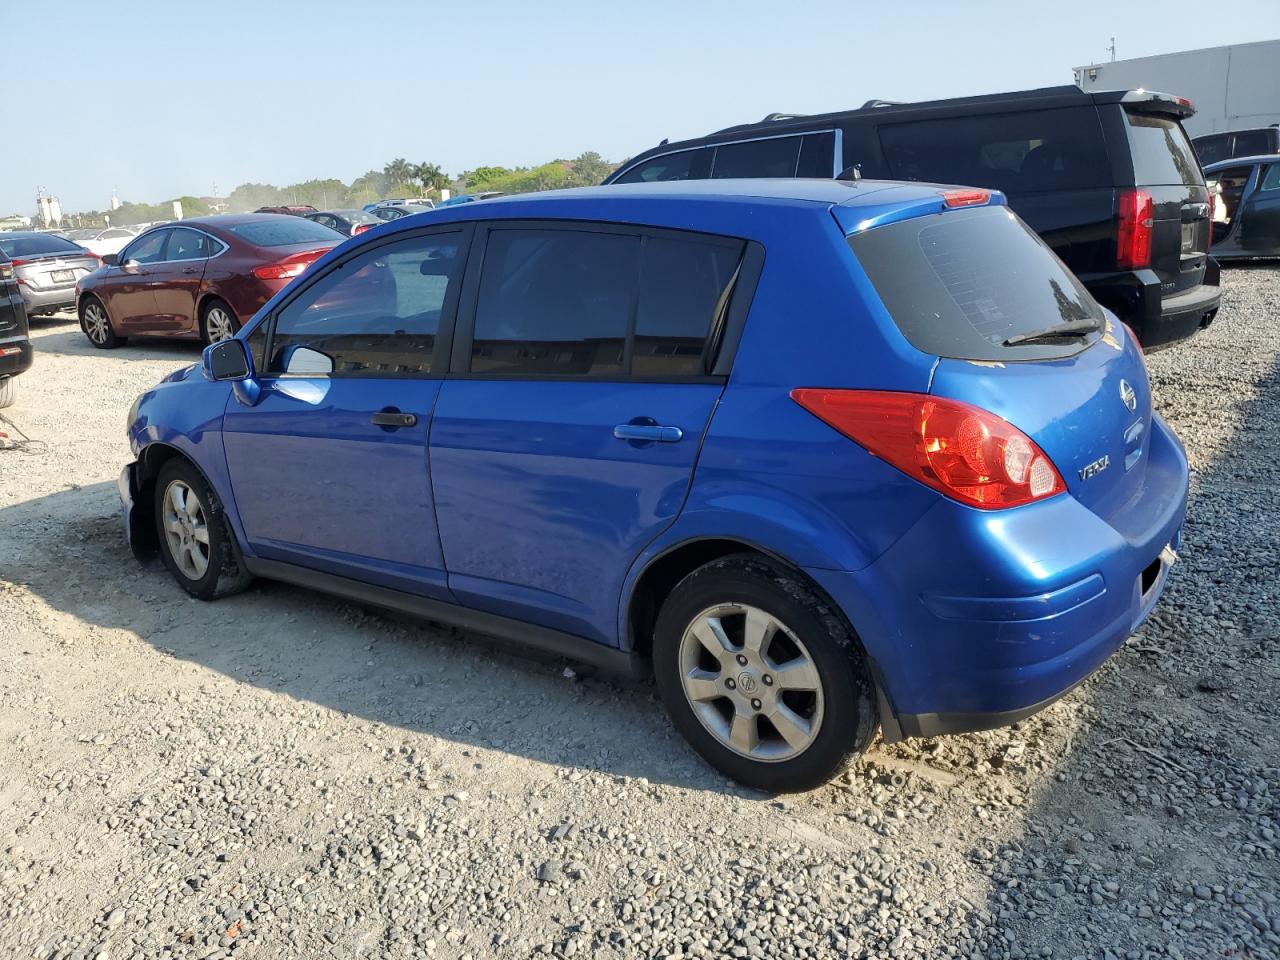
x: 782, y: 116
x: 871, y: 104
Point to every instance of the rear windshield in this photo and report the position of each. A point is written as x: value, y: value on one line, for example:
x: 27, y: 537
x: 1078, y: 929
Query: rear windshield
x: 1161, y: 154
x: 282, y: 232
x: 960, y: 283
x: 34, y: 245
x: 1027, y: 151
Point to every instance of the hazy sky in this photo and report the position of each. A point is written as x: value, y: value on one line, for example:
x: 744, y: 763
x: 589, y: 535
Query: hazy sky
x: 160, y: 99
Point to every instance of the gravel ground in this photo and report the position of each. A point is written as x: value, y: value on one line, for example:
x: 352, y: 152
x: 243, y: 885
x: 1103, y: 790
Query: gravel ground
x: 285, y: 775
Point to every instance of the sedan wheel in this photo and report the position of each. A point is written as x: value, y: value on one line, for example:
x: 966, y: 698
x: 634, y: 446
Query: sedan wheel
x: 751, y: 682
x: 186, y: 530
x: 219, y: 324
x: 96, y: 326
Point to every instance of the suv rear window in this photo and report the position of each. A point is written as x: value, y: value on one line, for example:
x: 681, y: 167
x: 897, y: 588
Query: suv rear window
x: 1031, y: 150
x: 281, y: 233
x: 1161, y: 154
x: 37, y: 245
x: 959, y: 284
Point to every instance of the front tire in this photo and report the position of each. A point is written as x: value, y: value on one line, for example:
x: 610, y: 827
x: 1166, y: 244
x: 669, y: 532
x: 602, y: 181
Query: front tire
x: 97, y: 325
x: 762, y: 676
x: 217, y: 321
x: 8, y: 391
x: 195, y: 540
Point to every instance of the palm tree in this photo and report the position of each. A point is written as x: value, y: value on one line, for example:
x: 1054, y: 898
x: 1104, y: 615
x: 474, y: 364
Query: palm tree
x: 432, y: 177
x: 399, y: 170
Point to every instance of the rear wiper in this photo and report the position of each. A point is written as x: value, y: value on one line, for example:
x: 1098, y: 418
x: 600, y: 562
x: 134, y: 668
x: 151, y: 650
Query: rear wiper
x: 1076, y: 328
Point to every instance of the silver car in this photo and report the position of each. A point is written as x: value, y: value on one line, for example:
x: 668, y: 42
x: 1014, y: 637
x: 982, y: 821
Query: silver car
x: 47, y: 268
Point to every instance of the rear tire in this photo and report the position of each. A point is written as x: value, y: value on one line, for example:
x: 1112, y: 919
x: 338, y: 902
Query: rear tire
x: 217, y: 321
x: 97, y: 325
x: 8, y: 391
x: 762, y: 676
x: 195, y: 540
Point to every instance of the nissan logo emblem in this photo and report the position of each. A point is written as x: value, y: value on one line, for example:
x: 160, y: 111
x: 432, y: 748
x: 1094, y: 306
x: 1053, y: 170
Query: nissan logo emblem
x: 1128, y: 396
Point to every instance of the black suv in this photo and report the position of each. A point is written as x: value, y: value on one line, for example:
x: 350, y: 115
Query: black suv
x: 1256, y: 141
x: 15, y: 341
x: 1108, y: 179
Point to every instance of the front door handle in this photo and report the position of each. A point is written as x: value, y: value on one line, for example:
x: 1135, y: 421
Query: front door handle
x: 646, y: 431
x: 395, y: 419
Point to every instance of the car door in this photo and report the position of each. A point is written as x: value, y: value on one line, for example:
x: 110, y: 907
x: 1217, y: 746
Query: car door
x: 329, y: 465
x: 1260, y: 214
x: 176, y: 280
x: 565, y: 437
x: 131, y: 300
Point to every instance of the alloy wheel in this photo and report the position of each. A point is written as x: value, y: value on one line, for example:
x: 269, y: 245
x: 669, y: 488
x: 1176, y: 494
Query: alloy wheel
x: 186, y: 530
x: 96, y: 324
x: 219, y: 324
x: 751, y: 682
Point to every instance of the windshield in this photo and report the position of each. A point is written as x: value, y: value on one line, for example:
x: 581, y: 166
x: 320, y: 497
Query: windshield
x: 964, y: 282
x: 36, y: 244
x: 1161, y: 154
x: 283, y: 232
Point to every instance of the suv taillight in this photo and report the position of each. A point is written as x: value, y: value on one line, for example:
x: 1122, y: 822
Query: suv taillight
x: 962, y: 451
x: 1133, y: 233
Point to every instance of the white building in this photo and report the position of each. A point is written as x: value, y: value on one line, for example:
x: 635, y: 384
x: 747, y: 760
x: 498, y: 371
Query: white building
x: 1233, y: 87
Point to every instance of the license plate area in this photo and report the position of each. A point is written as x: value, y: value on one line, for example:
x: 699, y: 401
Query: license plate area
x: 63, y: 276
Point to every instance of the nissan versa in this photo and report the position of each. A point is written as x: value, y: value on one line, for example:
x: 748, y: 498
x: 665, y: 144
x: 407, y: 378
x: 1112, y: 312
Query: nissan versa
x: 829, y: 456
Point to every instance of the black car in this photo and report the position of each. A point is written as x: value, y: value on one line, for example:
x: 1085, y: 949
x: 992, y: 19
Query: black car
x: 15, y: 341
x: 346, y: 222
x: 1248, y: 224
x: 1233, y: 144
x: 1108, y: 179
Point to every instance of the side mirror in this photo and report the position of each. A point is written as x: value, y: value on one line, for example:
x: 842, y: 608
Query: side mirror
x: 111, y: 259
x: 130, y: 266
x: 305, y: 362
x: 227, y: 360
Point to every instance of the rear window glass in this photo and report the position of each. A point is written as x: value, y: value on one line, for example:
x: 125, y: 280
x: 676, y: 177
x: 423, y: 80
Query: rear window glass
x: 1161, y: 154
x: 1020, y: 152
x: 282, y: 232
x: 36, y: 244
x: 775, y: 157
x: 960, y: 283
x: 1252, y: 143
x: 817, y: 156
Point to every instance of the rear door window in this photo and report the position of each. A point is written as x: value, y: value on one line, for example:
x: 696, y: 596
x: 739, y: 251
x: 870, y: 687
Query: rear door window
x: 1024, y: 152
x: 1252, y: 143
x: 1270, y: 177
x: 818, y: 156
x: 774, y: 157
x: 1162, y: 156
x: 683, y: 165
x: 187, y: 244
x: 961, y: 283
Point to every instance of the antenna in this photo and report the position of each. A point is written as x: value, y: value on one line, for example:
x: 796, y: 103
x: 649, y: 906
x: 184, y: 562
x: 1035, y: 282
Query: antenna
x: 1112, y: 49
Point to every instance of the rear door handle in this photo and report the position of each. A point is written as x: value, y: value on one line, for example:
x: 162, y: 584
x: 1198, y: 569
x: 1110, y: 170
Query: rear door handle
x: 395, y: 419
x: 190, y: 270
x: 644, y: 431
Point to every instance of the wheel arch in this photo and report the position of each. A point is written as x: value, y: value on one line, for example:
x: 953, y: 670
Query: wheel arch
x: 151, y: 460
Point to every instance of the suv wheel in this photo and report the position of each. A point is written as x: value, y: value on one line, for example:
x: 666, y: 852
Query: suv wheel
x: 8, y: 391
x: 761, y: 676
x: 96, y: 325
x: 195, y: 541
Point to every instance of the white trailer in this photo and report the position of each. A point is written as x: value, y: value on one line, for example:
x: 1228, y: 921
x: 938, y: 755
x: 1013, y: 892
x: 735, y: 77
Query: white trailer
x: 1233, y: 87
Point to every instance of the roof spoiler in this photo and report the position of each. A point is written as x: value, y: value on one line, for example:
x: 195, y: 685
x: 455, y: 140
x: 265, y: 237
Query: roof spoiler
x: 1151, y: 101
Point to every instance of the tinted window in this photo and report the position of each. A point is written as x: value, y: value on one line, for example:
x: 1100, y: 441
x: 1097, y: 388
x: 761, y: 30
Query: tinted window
x: 1161, y: 153
x: 1252, y: 143
x: 958, y: 284
x: 555, y: 302
x: 817, y: 156
x: 377, y: 314
x: 187, y: 244
x: 1270, y: 177
x: 1212, y: 149
x: 1014, y: 152
x: 282, y: 232
x: 146, y: 249
x: 681, y: 287
x: 685, y: 165
x: 775, y: 157
x: 35, y: 244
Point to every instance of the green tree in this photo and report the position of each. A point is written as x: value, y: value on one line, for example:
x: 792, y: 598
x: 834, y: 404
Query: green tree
x: 589, y: 169
x: 480, y: 176
x: 399, y: 170
x: 432, y: 177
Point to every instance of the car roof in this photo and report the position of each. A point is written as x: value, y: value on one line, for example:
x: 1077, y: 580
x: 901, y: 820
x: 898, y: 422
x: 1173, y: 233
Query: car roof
x: 1227, y: 133
x: 1242, y: 161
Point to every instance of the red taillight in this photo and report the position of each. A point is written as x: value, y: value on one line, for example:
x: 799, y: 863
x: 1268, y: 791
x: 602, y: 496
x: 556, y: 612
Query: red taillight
x: 361, y: 228
x: 963, y: 451
x: 966, y: 198
x: 1133, y: 233
x: 290, y: 267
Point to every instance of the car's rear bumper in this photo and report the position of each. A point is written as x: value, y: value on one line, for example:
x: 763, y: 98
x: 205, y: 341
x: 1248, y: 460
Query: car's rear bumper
x: 16, y: 356
x: 1159, y: 321
x: 48, y: 299
x: 977, y: 619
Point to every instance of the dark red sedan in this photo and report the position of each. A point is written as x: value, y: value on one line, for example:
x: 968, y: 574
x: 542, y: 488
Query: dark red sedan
x: 199, y: 278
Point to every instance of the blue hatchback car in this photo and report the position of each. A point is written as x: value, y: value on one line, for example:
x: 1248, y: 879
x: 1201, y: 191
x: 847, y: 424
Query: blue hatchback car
x: 827, y: 457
